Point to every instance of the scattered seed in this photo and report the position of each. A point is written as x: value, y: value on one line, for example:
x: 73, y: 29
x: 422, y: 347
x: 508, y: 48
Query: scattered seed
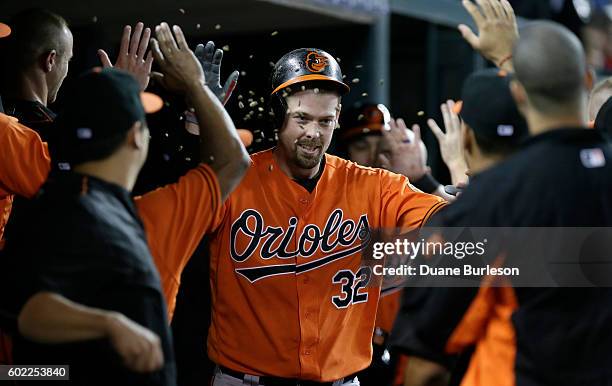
x: 251, y: 56
x: 181, y: 10
x: 271, y: 64
x: 421, y: 113
x: 365, y: 94
x: 359, y: 66
x: 217, y: 26
x: 198, y: 26
x: 242, y: 73
x: 241, y: 105
x: 253, y: 104
x: 355, y: 80
x: 251, y: 92
x: 316, y: 90
x: 226, y: 48
x: 240, y: 97
x: 94, y: 19
x: 260, y: 108
x: 360, y: 117
x: 274, y: 33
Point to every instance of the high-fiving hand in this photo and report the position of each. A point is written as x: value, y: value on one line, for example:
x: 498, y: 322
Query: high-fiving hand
x: 405, y: 154
x: 210, y: 59
x: 450, y: 144
x: 132, y: 52
x: 180, y: 67
x: 497, y: 30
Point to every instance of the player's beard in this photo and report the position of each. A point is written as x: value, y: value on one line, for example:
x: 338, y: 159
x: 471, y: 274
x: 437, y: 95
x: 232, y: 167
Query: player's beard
x: 308, y: 153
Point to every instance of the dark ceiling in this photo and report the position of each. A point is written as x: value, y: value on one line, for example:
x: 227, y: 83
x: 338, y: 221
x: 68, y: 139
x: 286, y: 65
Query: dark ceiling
x: 233, y: 16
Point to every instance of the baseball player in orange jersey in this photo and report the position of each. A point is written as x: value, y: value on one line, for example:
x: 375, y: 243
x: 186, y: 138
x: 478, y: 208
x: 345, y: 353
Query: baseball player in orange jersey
x: 290, y: 298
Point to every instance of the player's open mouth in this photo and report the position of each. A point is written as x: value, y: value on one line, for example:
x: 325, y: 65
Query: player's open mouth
x: 309, y: 149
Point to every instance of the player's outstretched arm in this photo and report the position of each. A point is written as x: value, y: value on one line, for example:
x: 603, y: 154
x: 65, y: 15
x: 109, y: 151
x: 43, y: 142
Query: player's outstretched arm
x: 220, y: 145
x: 497, y: 31
x: 51, y: 318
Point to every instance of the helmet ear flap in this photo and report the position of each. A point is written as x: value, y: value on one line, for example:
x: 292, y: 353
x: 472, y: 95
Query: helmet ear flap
x: 279, y: 107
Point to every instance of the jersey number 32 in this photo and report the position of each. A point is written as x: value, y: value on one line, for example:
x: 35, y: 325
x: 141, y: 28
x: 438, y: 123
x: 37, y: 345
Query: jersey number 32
x: 353, y: 284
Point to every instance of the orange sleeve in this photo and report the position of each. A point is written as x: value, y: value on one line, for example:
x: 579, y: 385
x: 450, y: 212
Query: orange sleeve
x: 175, y: 219
x: 403, y: 205
x: 24, y: 158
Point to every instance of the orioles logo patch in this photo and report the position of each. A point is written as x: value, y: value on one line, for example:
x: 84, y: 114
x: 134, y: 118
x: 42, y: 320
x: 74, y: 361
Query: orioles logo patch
x: 315, y: 62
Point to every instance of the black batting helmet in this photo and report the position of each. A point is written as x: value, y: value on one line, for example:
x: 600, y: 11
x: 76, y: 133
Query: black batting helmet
x: 305, y: 65
x: 309, y: 67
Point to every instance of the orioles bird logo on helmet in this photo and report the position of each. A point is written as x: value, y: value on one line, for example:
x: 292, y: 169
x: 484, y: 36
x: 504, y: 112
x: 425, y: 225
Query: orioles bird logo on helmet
x: 315, y: 62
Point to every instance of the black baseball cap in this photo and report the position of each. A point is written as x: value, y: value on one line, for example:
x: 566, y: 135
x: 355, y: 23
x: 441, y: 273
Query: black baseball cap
x: 488, y: 108
x: 603, y: 120
x: 101, y: 107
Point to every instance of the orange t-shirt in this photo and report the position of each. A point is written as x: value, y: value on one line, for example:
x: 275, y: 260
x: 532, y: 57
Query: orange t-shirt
x: 289, y: 291
x: 175, y: 216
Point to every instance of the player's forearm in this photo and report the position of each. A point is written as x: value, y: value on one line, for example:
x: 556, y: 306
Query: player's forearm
x: 220, y: 145
x: 51, y: 318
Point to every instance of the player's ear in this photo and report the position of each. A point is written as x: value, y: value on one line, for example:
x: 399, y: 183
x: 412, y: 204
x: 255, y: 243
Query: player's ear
x: 49, y: 60
x: 589, y: 78
x: 338, y: 109
x: 137, y: 136
x: 518, y: 94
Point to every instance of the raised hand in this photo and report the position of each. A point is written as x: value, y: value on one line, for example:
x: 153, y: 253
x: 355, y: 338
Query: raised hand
x: 132, y: 52
x: 210, y: 59
x: 451, y: 147
x: 405, y: 154
x: 497, y: 30
x: 180, y: 67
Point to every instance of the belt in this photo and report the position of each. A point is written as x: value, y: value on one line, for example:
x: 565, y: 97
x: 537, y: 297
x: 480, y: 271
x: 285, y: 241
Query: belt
x: 276, y: 381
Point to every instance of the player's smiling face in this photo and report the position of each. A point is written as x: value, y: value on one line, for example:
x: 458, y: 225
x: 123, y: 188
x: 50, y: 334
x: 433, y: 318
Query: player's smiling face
x: 309, y: 126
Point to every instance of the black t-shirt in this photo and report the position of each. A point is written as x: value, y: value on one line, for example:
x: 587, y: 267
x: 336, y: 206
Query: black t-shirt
x: 81, y: 237
x: 562, y: 178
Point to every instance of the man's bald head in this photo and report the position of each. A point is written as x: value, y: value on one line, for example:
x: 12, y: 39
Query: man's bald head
x: 549, y: 62
x: 35, y: 31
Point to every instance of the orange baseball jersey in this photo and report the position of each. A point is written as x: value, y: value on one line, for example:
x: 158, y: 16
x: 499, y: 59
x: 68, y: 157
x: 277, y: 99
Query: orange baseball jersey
x: 175, y: 217
x: 25, y: 176
x: 289, y: 293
